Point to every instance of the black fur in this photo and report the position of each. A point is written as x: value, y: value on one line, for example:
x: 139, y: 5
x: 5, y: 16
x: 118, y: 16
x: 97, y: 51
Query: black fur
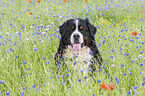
x: 88, y: 32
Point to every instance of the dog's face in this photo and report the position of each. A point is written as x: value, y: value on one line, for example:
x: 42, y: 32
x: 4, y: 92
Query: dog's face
x: 77, y: 33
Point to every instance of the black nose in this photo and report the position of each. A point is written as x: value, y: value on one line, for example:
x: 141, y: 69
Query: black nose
x: 76, y: 36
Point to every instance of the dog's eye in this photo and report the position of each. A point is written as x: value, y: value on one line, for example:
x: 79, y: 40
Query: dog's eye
x: 73, y: 27
x: 81, y: 27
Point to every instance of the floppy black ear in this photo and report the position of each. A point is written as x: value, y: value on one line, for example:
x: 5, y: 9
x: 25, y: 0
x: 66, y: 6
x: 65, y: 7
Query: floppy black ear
x: 91, y: 28
x: 62, y: 28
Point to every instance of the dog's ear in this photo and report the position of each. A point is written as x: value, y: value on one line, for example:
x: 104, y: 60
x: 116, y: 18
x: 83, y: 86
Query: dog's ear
x: 62, y: 28
x: 91, y: 28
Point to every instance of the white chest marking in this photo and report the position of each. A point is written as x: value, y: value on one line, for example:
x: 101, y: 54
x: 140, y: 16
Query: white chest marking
x: 82, y: 58
x: 84, y: 54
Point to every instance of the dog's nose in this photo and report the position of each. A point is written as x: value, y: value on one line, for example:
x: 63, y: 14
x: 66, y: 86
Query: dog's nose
x: 76, y: 36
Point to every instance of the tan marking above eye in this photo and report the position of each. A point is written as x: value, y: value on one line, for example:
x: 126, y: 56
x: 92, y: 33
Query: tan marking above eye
x: 73, y: 27
x: 81, y: 27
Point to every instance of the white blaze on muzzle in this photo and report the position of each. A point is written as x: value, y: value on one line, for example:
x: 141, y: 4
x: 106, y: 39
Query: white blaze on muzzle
x: 76, y: 46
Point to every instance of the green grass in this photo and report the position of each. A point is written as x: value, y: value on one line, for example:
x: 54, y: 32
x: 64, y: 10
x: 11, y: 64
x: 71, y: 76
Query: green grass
x: 21, y: 33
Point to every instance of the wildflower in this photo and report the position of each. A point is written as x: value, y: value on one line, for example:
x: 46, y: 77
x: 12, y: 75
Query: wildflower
x: 31, y: 13
x: 44, y: 84
x: 128, y: 93
x: 121, y: 65
x: 65, y: 1
x: 98, y: 80
x: 111, y: 86
x: 116, y: 78
x: 7, y: 93
x: 43, y: 57
x: 86, y: 77
x: 30, y: 1
x: 1, y: 81
x: 133, y: 33
x: 79, y: 80
x: 104, y: 86
x: 142, y: 11
x: 35, y: 49
x: 99, y: 70
x: 144, y: 79
x: 143, y: 83
x: 24, y: 88
x: 38, y: 1
x: 85, y: 0
x: 33, y: 86
x: 66, y: 74
x: 24, y: 62
x: 141, y: 64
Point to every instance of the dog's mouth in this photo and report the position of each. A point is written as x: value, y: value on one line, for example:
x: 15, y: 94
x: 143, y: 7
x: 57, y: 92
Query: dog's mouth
x: 77, y: 46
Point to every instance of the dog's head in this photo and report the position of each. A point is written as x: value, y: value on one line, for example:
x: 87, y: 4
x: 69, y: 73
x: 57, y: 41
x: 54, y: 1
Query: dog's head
x: 77, y: 33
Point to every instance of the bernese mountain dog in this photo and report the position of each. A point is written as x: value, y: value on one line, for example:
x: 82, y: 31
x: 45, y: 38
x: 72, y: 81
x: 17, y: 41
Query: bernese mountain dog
x: 78, y: 44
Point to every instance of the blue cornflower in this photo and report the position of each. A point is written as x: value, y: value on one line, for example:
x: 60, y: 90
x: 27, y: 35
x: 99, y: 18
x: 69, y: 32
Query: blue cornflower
x: 1, y: 81
x: 111, y: 57
x: 135, y: 87
x: 74, y: 63
x: 129, y: 93
x: 63, y: 82
x: 50, y: 77
x: 7, y: 93
x: 121, y: 65
x: 79, y: 80
x: 33, y: 86
x: 116, y: 78
x: 35, y: 49
x: 143, y: 78
x: 124, y: 73
x: 16, y: 56
x: 141, y: 64
x: 22, y: 93
x: 143, y: 83
x: 99, y: 70
x: 90, y: 52
x: 98, y: 80
x: 118, y: 81
x: 68, y: 70
x: 29, y: 68
x: 44, y: 84
x: 86, y: 77
x: 133, y: 61
x: 130, y: 73
x: 81, y: 70
x: 43, y: 57
x: 24, y: 88
x: 66, y: 74
x: 37, y: 88
x: 24, y: 62
x: 93, y: 95
x: 141, y: 52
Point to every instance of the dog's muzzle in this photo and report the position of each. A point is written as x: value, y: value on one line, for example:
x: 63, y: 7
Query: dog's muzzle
x: 77, y: 40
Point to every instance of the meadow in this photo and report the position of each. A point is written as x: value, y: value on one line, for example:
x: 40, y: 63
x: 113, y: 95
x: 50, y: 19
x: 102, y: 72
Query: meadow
x: 29, y: 38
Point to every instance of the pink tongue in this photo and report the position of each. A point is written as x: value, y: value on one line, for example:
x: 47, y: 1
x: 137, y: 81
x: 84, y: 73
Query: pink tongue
x: 76, y: 47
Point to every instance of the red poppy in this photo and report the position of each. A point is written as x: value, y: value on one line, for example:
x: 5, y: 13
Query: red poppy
x: 133, y: 33
x: 111, y: 86
x: 104, y: 86
x: 85, y: 0
x: 65, y: 1
x: 30, y: 1
x: 38, y: 1
x: 31, y: 13
x: 142, y: 11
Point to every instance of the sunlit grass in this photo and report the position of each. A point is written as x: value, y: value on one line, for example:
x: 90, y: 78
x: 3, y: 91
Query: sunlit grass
x: 28, y: 43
